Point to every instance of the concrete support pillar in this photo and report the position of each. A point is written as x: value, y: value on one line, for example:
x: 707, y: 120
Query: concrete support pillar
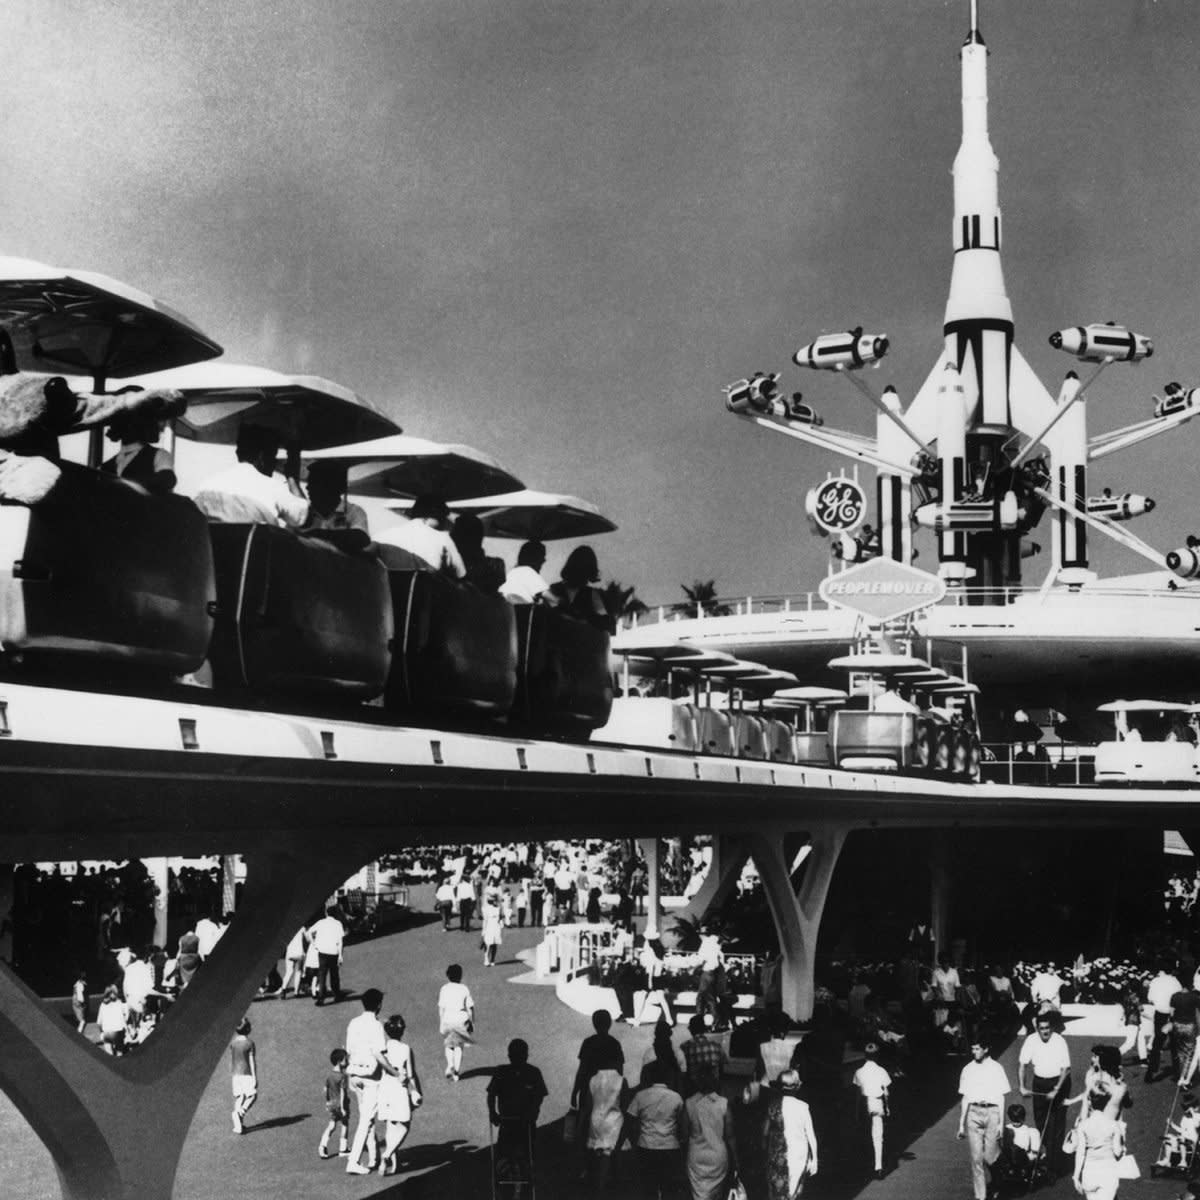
x: 6, y: 913
x: 939, y: 892
x: 158, y: 876
x: 729, y: 854
x: 116, y: 1126
x: 797, y: 916
x: 649, y: 850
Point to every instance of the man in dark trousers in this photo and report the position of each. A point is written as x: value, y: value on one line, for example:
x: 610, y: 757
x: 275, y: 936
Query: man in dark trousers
x: 514, y: 1097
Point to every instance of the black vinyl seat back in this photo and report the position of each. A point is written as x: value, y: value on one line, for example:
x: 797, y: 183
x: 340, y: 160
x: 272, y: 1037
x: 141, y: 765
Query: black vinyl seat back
x: 103, y: 570
x: 455, y: 650
x: 297, y: 614
x: 565, y: 682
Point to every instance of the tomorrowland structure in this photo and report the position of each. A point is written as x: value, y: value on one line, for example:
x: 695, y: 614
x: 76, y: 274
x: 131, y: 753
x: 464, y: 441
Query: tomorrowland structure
x: 982, y: 454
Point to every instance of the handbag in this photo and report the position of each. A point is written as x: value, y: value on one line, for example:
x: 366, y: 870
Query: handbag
x: 1069, y: 1140
x: 1127, y: 1167
x: 571, y: 1127
x: 737, y: 1189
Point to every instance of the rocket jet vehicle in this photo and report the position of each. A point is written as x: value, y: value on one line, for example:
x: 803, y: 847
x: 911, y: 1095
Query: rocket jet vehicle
x: 985, y: 449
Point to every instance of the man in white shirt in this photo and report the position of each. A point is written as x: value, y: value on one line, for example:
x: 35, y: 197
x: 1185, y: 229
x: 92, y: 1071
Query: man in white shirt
x: 444, y: 899
x: 250, y: 492
x: 1045, y: 989
x: 1159, y: 992
x: 208, y: 933
x: 425, y: 533
x: 658, y: 1113
x: 327, y: 935
x: 1044, y: 1054
x: 137, y: 983
x: 945, y: 989
x: 873, y: 1082
x: 525, y: 583
x: 982, y: 1087
x: 366, y: 1050
x: 464, y: 893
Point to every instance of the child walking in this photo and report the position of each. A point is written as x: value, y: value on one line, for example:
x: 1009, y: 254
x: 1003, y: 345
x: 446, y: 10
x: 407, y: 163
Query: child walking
x: 873, y: 1082
x: 79, y: 1002
x: 337, y: 1104
x: 244, y: 1066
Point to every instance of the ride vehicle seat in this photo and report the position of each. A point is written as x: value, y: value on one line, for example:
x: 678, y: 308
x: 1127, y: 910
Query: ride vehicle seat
x: 564, y: 681
x: 297, y: 615
x: 103, y: 571
x: 455, y: 650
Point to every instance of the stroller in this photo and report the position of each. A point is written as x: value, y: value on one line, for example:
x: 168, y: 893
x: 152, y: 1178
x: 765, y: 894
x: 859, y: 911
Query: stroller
x: 1018, y: 1170
x: 1177, y: 1149
x: 511, y: 1153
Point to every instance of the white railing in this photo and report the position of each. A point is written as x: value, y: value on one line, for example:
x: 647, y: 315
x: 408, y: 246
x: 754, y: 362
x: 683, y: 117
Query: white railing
x: 745, y: 606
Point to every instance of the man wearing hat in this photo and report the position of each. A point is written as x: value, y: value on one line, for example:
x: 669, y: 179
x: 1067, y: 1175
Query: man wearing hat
x: 366, y: 1050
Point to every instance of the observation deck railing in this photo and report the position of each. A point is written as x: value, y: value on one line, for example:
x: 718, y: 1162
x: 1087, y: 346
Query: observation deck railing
x: 800, y: 602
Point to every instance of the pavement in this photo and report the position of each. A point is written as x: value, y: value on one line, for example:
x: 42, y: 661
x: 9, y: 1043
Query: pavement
x: 446, y: 1156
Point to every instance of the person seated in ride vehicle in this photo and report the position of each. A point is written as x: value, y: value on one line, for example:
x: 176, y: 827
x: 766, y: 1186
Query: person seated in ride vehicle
x: 140, y: 459
x: 250, y: 492
x: 575, y: 594
x: 483, y: 570
x: 424, y: 535
x: 331, y: 512
x: 37, y: 409
x: 525, y: 583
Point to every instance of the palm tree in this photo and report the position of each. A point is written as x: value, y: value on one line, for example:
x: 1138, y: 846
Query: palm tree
x: 622, y: 602
x: 701, y: 600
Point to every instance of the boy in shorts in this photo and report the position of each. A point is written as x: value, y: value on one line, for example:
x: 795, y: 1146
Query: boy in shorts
x: 337, y: 1104
x: 245, y: 1074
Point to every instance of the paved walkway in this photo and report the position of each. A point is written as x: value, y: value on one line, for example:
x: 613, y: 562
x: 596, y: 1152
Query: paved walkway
x: 447, y: 1154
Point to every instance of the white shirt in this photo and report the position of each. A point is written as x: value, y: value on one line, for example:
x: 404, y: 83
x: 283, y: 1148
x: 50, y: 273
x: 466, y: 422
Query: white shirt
x: 657, y: 1110
x: 710, y: 954
x: 1026, y: 1138
x: 465, y: 890
x: 242, y: 494
x: 327, y: 936
x: 1045, y: 986
x: 365, y: 1037
x: 208, y: 933
x: 433, y: 545
x: 523, y: 586
x: 1049, y: 1058
x: 872, y: 1080
x: 1162, y: 988
x: 454, y: 1003
x: 946, y: 983
x: 138, y: 981
x: 445, y: 894
x: 983, y: 1082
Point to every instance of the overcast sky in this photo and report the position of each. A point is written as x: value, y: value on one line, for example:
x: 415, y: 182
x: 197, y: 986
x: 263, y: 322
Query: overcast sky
x: 556, y: 230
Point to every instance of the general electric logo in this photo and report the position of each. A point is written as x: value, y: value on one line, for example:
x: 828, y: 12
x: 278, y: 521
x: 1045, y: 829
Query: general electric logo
x: 837, y: 506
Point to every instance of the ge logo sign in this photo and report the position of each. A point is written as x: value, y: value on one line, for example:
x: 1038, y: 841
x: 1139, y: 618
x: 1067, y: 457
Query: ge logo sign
x: 837, y: 506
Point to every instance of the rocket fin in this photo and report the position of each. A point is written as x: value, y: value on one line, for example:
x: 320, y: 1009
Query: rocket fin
x: 1030, y: 403
x: 922, y: 413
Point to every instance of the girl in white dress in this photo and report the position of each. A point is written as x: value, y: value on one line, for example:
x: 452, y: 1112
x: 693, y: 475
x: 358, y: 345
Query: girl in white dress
x: 399, y: 1094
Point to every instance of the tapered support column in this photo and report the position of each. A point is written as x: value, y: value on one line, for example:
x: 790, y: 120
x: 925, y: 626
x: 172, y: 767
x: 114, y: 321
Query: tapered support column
x: 797, y: 915
x: 116, y: 1126
x: 649, y: 851
x: 729, y: 854
x: 6, y: 913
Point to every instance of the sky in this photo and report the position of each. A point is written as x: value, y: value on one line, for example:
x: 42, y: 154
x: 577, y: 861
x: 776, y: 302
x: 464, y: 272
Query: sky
x: 555, y: 229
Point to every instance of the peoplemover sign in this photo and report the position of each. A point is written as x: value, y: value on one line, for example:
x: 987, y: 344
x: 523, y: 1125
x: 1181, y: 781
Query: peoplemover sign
x: 882, y: 589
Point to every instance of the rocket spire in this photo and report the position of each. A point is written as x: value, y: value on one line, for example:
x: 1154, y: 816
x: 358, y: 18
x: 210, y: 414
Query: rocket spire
x: 974, y: 37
